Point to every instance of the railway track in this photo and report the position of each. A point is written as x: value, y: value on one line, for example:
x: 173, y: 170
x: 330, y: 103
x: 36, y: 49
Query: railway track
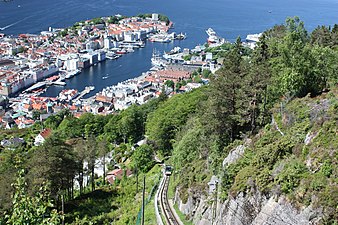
x: 164, y: 204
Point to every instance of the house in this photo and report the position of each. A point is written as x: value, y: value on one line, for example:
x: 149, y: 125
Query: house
x: 42, y: 137
x: 117, y: 174
x: 12, y: 143
x: 8, y: 122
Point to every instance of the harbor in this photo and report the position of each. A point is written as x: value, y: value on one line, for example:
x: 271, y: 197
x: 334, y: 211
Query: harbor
x: 174, y: 64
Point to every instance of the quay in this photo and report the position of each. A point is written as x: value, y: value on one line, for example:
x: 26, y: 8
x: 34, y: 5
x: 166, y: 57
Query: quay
x: 87, y: 90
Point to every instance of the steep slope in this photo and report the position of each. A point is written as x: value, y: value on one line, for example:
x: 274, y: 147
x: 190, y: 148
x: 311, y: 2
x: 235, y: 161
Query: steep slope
x: 286, y: 174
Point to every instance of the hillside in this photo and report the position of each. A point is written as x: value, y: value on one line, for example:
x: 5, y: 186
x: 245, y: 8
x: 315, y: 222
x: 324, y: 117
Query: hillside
x: 285, y: 174
x: 265, y: 128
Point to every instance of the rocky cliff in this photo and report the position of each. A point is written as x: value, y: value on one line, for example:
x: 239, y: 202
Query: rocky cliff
x: 250, y: 207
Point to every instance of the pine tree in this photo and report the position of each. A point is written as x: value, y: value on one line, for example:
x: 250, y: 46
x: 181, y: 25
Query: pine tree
x: 226, y: 99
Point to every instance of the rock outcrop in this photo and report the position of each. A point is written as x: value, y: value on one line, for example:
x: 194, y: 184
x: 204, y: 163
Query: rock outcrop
x: 252, y: 207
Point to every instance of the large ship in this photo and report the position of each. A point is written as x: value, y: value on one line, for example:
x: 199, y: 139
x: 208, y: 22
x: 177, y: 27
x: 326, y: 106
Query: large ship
x: 156, y: 59
x: 213, y: 38
x: 253, y: 37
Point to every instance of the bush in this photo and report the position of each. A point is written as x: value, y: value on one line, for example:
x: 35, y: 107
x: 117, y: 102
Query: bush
x: 291, y: 175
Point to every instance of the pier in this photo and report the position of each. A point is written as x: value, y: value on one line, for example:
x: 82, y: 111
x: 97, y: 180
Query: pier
x: 87, y: 90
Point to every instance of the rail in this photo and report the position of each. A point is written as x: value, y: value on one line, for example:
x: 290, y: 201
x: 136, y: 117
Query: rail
x: 168, y: 213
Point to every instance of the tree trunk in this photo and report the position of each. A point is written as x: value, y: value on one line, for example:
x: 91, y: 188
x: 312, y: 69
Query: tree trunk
x: 93, y: 181
x: 104, y: 169
x: 81, y: 178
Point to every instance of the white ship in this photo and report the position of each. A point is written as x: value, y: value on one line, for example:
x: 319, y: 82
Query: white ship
x: 156, y: 59
x: 213, y: 38
x: 253, y: 37
x: 162, y: 38
x: 72, y: 73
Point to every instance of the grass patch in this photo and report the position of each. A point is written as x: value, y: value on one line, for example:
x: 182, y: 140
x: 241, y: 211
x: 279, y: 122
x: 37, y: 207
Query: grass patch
x: 182, y: 216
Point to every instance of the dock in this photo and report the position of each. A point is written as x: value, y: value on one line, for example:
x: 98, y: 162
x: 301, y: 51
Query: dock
x: 87, y: 90
x: 58, y: 82
x: 36, y: 86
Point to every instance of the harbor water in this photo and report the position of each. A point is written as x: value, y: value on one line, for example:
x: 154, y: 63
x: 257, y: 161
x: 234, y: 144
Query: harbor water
x: 228, y: 18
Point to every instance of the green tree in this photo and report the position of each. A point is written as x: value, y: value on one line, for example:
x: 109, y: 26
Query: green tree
x: 163, y: 124
x: 80, y: 152
x: 70, y: 127
x: 226, y: 98
x: 321, y: 36
x: 103, y: 149
x: 53, y: 162
x: 8, y: 160
x: 131, y: 124
x: 111, y: 130
x: 169, y: 83
x: 256, y: 84
x: 206, y: 73
x: 31, y: 209
x: 91, y: 156
x: 143, y: 158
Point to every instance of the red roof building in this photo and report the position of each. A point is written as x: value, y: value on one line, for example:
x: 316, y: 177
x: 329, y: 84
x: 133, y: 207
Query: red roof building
x: 117, y: 174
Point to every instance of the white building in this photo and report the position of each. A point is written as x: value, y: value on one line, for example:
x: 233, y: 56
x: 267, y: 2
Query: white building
x: 154, y: 16
x: 129, y: 36
x: 208, y: 56
x: 72, y: 64
x: 40, y: 139
x: 101, y: 56
x: 107, y: 43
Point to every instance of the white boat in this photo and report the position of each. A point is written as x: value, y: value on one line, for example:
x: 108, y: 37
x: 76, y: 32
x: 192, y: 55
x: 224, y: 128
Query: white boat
x: 121, y: 51
x: 111, y: 55
x: 72, y: 73
x: 181, y: 36
x: 162, y: 38
x: 141, y: 44
x: 60, y: 83
x: 90, y: 88
x: 156, y: 59
x: 253, y: 37
x: 130, y: 49
x: 214, y: 39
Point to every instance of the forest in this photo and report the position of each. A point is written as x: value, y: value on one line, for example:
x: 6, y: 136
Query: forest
x: 288, y: 70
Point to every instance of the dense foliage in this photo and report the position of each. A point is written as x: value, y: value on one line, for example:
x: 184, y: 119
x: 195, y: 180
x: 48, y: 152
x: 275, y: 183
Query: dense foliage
x: 287, y: 65
x: 285, y: 77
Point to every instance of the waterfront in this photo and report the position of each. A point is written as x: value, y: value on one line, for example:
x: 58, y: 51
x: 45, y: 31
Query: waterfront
x: 113, y: 71
x: 228, y: 18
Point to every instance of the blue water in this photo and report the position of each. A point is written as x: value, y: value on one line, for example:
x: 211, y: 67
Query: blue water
x: 228, y: 18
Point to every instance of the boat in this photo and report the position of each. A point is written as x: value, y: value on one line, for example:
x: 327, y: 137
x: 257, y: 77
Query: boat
x: 162, y: 38
x: 121, y: 51
x: 141, y: 44
x: 181, y: 36
x: 90, y: 88
x: 156, y: 59
x: 130, y: 49
x: 60, y: 83
x: 72, y: 73
x: 253, y: 37
x: 175, y: 50
x: 111, y: 55
x: 214, y: 39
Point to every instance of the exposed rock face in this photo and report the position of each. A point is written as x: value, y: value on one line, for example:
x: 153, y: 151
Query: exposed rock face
x: 234, y: 155
x: 309, y: 137
x: 252, y: 208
